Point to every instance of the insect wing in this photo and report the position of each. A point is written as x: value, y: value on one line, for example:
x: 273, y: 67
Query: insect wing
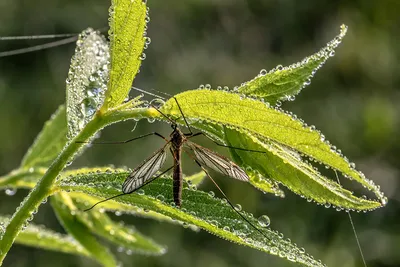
x: 221, y: 164
x: 144, y: 171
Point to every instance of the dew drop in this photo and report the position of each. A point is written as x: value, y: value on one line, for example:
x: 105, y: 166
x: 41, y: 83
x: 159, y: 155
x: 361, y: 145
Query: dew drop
x: 161, y: 198
x: 11, y: 191
x: 238, y: 207
x: 264, y: 221
x: 142, y: 56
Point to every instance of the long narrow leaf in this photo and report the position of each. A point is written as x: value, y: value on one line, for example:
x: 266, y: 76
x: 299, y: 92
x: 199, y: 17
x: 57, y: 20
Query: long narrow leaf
x: 40, y: 237
x: 64, y: 208
x: 49, y: 143
x: 283, y: 83
x: 127, y: 41
x: 121, y: 235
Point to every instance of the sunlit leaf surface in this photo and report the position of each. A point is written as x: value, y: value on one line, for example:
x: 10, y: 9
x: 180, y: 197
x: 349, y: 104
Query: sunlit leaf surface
x: 128, y: 20
x: 40, y: 237
x: 199, y: 208
x: 270, y: 125
x: 66, y: 214
x: 283, y: 83
x: 123, y: 236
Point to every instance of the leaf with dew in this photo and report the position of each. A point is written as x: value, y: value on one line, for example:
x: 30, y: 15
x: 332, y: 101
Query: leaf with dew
x: 64, y: 208
x: 287, y: 167
x: 198, y: 208
x: 268, y: 125
x: 39, y: 236
x: 125, y: 237
x: 49, y: 143
x: 196, y: 179
x: 284, y: 83
x: 128, y: 20
x: 87, y: 78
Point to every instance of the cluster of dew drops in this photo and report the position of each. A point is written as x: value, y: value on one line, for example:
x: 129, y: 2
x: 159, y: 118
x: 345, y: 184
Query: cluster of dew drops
x: 90, y: 46
x: 87, y: 79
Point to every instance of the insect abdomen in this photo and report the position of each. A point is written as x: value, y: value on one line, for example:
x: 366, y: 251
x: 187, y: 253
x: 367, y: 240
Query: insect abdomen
x: 177, y: 176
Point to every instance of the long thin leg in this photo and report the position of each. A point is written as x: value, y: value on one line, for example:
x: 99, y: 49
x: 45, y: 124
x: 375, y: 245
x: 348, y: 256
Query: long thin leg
x: 126, y: 141
x: 218, y: 144
x: 230, y: 203
x: 226, y: 197
x: 180, y: 109
x: 122, y: 194
x: 163, y: 114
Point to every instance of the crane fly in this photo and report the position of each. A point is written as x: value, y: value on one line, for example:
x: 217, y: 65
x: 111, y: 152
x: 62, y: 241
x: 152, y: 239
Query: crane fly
x: 204, y: 157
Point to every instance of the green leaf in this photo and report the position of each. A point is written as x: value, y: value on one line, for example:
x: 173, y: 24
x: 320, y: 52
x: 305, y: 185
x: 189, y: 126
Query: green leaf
x: 40, y: 237
x: 22, y: 178
x: 49, y: 143
x: 283, y: 83
x: 216, y: 132
x: 87, y: 78
x: 128, y: 19
x: 199, y: 208
x: 196, y: 179
x: 286, y: 166
x: 65, y: 211
x: 118, y: 208
x: 125, y: 237
x: 268, y: 124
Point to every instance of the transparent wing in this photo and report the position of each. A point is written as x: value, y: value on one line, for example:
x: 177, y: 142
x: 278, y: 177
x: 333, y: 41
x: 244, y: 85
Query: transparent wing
x: 145, y: 171
x: 221, y: 164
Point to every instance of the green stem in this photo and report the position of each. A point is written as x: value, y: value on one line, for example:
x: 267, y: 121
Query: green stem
x: 44, y: 186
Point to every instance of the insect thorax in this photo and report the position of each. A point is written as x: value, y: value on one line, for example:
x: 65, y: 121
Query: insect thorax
x: 177, y: 138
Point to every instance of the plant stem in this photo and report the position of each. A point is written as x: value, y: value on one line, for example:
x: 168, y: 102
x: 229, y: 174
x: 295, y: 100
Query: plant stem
x: 44, y: 186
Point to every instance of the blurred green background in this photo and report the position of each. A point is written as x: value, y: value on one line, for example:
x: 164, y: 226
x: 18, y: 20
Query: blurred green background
x: 353, y: 100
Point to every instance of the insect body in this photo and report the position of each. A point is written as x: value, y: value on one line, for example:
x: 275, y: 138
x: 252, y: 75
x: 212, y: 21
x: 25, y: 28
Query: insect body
x: 178, y: 140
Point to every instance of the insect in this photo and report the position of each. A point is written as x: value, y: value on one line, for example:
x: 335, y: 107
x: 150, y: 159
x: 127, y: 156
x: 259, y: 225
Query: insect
x: 204, y: 157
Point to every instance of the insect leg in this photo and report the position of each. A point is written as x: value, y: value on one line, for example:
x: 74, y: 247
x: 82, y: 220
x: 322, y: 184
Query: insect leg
x: 126, y: 141
x: 122, y: 194
x: 230, y: 203
x: 219, y: 144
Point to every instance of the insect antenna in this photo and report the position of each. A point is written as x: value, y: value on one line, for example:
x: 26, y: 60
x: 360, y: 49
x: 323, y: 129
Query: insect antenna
x: 122, y: 194
x: 180, y: 109
x: 146, y: 92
